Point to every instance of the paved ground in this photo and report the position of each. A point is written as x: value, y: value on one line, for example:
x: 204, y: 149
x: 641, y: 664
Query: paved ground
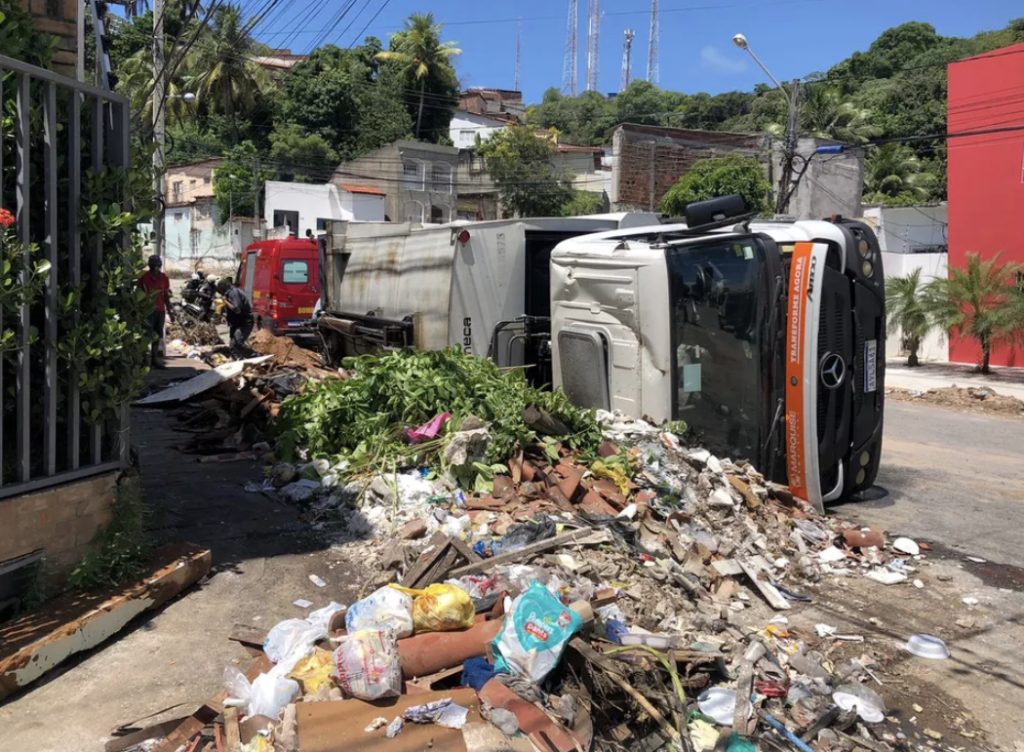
x: 1008, y: 381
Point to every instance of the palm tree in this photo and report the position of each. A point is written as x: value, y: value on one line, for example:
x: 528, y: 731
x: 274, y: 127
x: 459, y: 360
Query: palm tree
x: 896, y: 175
x: 421, y: 53
x: 979, y: 301
x: 907, y: 312
x: 224, y: 73
x: 824, y: 114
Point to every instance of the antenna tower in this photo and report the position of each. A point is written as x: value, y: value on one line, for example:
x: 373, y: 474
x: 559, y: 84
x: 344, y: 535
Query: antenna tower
x: 652, y: 45
x: 519, y: 55
x: 627, y: 58
x: 569, y: 66
x: 593, y: 46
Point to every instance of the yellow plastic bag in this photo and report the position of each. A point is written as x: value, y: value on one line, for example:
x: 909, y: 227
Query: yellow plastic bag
x: 313, y: 671
x: 440, y: 608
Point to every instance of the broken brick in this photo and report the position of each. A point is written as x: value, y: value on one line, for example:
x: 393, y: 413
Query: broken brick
x: 594, y: 504
x: 412, y: 530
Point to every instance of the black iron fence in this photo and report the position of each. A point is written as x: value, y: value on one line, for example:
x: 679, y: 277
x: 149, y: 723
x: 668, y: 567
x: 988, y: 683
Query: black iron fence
x: 58, y: 137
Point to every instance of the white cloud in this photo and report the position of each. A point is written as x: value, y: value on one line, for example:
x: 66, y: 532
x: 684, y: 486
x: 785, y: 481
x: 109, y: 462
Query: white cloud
x: 714, y: 58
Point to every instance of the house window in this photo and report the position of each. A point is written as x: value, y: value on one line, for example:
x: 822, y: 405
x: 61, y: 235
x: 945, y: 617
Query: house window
x: 289, y: 219
x: 441, y: 177
x: 191, y: 183
x: 437, y: 214
x: 411, y: 175
x: 178, y: 216
x: 176, y: 190
x: 206, y: 179
x: 476, y: 164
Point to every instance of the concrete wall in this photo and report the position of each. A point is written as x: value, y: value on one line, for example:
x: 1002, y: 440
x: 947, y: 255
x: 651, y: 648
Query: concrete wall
x: 466, y: 126
x: 909, y: 229
x: 935, y: 346
x: 832, y: 184
x: 649, y: 160
x: 315, y: 202
x: 61, y: 520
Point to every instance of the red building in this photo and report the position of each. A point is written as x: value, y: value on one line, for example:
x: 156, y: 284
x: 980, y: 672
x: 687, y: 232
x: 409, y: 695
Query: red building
x: 986, y: 171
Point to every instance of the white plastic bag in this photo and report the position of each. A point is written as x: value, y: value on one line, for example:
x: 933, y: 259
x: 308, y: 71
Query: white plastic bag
x: 367, y: 665
x: 267, y: 695
x: 385, y: 608
x: 290, y: 641
x: 322, y: 616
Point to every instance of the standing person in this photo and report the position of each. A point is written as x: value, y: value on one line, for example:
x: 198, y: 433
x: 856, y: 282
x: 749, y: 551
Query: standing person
x: 238, y: 313
x: 158, y: 285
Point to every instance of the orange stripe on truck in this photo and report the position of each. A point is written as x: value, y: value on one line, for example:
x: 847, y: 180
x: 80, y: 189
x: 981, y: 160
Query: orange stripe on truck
x: 796, y: 321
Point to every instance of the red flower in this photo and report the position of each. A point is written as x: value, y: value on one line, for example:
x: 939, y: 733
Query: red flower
x: 6, y: 218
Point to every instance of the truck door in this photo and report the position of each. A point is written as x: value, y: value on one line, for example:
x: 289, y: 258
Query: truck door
x: 249, y: 272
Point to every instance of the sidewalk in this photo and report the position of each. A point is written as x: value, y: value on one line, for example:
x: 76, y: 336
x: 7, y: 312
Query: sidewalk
x: 170, y: 661
x: 1005, y: 381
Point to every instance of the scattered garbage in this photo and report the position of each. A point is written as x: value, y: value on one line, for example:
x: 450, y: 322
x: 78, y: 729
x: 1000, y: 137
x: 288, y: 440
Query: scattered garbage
x: 586, y: 581
x: 927, y: 646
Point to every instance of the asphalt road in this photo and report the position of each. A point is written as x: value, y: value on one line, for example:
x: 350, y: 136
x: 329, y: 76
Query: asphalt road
x: 950, y: 477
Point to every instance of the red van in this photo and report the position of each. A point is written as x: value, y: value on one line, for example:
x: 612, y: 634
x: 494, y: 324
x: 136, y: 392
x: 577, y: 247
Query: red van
x: 282, y: 280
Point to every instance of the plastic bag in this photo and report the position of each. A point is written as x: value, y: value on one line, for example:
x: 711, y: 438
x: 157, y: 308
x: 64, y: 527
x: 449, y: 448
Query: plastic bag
x: 534, y: 634
x: 267, y: 695
x: 290, y: 641
x: 385, y: 608
x: 313, y: 671
x: 367, y: 665
x: 440, y: 608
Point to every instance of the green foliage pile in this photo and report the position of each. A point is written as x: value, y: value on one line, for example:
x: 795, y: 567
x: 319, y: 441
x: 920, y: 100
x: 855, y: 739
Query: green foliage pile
x: 363, y: 418
x: 721, y: 176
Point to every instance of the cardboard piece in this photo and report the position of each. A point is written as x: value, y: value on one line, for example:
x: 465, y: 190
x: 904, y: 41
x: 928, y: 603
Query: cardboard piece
x: 338, y: 726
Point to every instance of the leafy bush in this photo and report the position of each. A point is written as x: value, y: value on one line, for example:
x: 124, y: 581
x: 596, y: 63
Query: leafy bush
x: 119, y: 549
x: 720, y: 176
x: 363, y: 418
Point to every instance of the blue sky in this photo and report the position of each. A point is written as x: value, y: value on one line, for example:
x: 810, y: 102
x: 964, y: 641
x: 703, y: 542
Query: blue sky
x: 793, y: 37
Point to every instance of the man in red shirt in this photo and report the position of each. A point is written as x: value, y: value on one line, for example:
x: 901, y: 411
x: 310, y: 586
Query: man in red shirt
x: 158, y: 285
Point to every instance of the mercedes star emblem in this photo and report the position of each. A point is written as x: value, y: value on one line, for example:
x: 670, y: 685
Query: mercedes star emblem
x: 832, y: 371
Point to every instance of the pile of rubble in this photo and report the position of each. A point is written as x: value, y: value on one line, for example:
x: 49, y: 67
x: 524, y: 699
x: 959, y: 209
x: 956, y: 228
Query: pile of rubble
x: 973, y: 399
x: 635, y: 597
x: 190, y: 331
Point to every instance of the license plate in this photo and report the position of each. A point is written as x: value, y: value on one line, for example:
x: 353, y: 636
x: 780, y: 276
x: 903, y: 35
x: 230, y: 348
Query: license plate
x: 306, y: 310
x: 297, y: 323
x: 870, y: 365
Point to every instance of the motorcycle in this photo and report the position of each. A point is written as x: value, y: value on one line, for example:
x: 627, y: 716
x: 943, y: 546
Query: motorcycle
x: 198, y: 295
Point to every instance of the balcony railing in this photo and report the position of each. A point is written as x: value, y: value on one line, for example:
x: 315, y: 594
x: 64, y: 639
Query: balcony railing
x: 54, y: 132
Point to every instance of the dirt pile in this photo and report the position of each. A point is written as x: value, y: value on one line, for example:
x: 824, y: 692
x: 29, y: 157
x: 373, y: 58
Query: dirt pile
x: 285, y: 351
x: 970, y: 399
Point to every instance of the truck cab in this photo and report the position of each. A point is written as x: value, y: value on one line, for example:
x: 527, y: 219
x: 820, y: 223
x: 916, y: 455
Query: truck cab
x: 282, y: 281
x: 763, y: 337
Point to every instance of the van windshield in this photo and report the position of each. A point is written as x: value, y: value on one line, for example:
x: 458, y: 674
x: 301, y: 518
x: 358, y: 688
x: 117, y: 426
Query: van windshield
x: 717, y: 314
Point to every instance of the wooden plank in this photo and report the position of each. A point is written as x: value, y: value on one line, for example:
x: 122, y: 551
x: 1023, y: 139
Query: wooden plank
x: 576, y: 536
x: 465, y: 551
x: 767, y: 590
x: 35, y: 643
x: 126, y: 741
x: 232, y: 734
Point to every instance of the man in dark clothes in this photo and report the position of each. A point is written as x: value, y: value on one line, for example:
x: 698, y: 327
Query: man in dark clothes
x: 238, y: 312
x: 157, y: 284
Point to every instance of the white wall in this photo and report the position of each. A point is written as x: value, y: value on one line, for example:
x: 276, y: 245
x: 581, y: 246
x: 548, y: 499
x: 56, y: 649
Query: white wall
x: 936, y: 345
x: 465, y: 127
x: 903, y: 229
x: 316, y: 201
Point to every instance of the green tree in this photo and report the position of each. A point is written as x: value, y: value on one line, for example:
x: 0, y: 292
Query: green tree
x: 302, y: 157
x: 980, y: 301
x: 824, y: 114
x: 721, y: 176
x: 424, y: 59
x: 349, y: 98
x: 907, y: 311
x: 520, y: 163
x: 224, y: 74
x: 583, y: 203
x: 238, y: 180
x: 586, y: 120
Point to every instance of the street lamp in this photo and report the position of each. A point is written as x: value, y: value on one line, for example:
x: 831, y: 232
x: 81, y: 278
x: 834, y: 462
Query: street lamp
x: 792, y: 97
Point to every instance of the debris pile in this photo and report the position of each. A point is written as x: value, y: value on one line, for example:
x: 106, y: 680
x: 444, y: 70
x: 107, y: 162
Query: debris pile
x: 192, y: 331
x: 544, y: 586
x: 974, y: 399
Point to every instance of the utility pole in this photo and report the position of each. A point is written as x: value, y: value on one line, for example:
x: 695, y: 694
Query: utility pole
x: 256, y: 224
x: 789, y: 153
x: 159, y: 86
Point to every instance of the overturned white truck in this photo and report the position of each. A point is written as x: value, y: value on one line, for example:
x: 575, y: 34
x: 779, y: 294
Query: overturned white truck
x: 763, y: 337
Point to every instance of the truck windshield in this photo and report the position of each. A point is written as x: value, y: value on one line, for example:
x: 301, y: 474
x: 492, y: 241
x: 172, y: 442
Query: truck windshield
x: 718, y: 306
